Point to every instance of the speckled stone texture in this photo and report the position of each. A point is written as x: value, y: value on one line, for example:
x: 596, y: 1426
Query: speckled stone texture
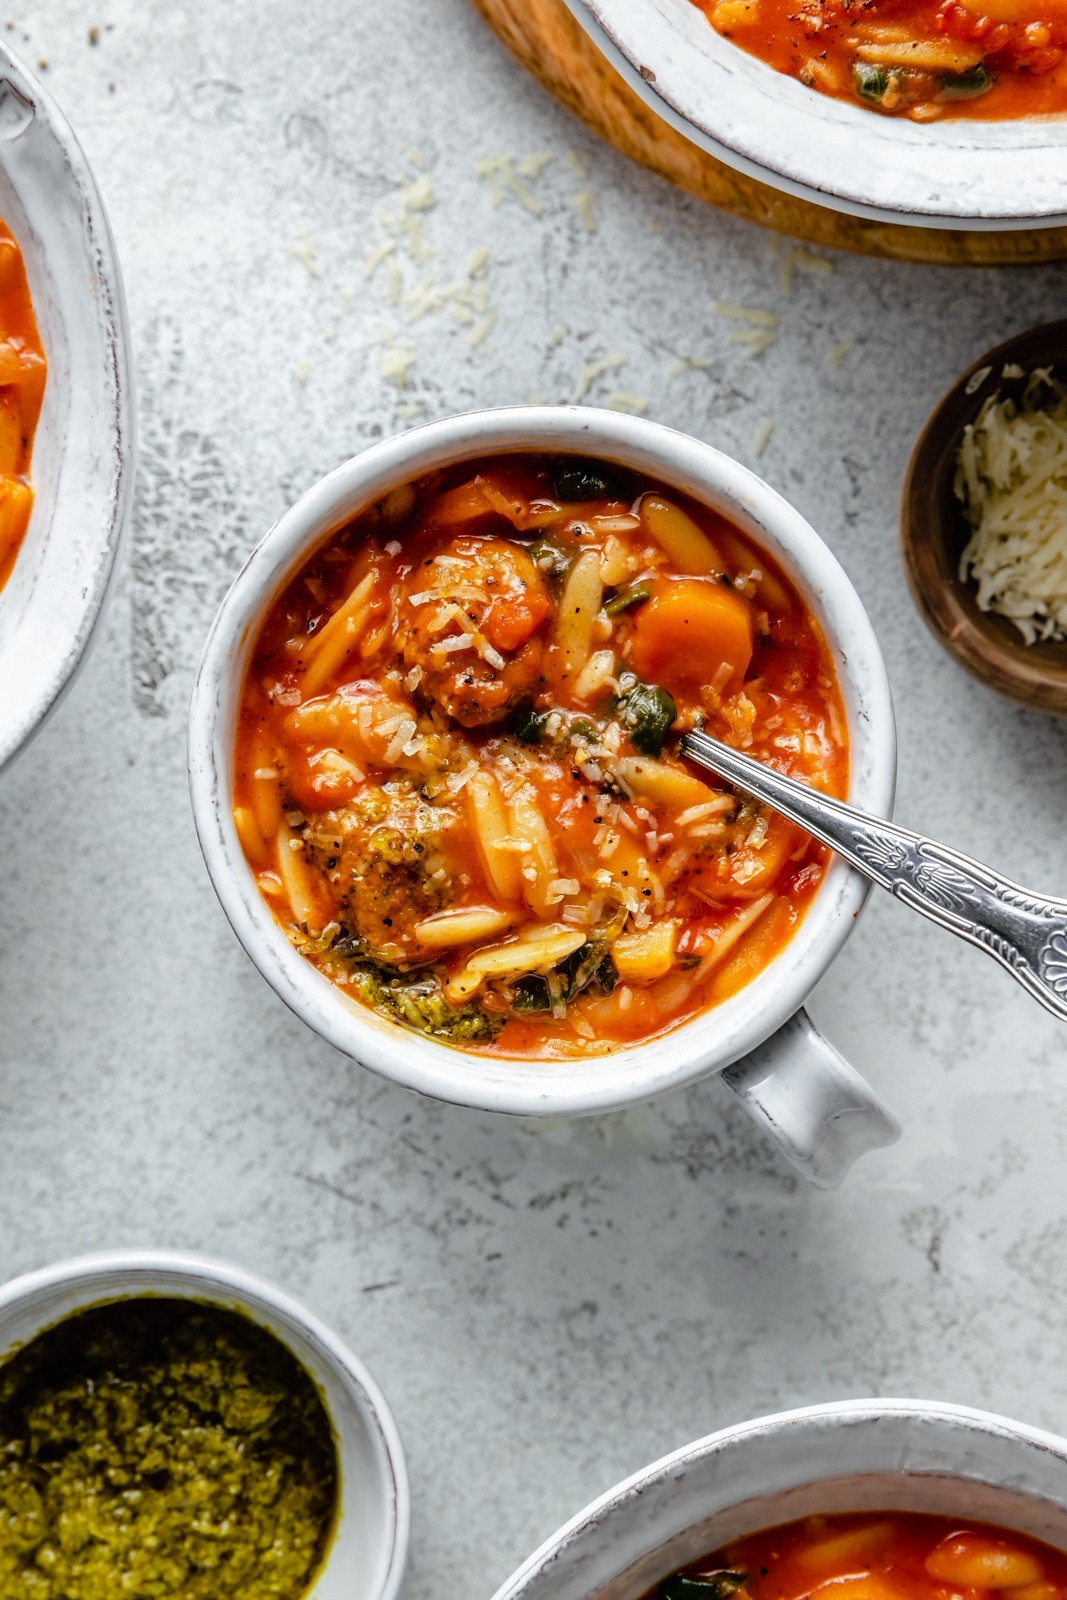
x: 547, y: 1307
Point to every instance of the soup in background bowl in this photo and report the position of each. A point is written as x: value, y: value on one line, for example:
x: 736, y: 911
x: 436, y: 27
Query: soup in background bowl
x: 58, y: 557
x: 916, y: 1471
x: 923, y: 59
x: 277, y: 628
x: 781, y: 93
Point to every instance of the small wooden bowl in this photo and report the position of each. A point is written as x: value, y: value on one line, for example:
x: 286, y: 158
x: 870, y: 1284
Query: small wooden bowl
x: 934, y: 533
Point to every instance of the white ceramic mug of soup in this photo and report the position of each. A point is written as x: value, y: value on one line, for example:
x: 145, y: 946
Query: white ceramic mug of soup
x: 852, y: 1455
x: 793, y: 1082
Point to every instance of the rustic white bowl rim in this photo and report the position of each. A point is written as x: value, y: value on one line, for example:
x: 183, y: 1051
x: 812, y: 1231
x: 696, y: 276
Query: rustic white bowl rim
x: 954, y: 173
x: 539, y: 1088
x: 84, y: 450
x: 105, y: 1276
x: 642, y: 1529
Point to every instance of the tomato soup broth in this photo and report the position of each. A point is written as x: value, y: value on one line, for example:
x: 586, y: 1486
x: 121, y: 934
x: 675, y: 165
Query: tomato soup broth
x: 990, y: 59
x: 22, y: 378
x: 875, y: 1556
x: 457, y: 774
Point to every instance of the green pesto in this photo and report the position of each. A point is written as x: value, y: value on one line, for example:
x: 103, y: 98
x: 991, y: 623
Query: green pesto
x: 161, y: 1450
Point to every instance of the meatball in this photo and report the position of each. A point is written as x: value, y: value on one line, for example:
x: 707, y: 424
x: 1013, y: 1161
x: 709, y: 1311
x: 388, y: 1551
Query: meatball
x: 469, y: 624
x: 380, y: 854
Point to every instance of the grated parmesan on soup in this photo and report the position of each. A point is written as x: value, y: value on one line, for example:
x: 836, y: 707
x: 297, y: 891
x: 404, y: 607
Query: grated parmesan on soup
x: 1012, y: 479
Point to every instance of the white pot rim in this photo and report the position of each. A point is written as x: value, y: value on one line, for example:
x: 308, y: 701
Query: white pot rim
x: 955, y: 174
x: 636, y: 1073
x: 574, y: 1534
x: 202, y: 1277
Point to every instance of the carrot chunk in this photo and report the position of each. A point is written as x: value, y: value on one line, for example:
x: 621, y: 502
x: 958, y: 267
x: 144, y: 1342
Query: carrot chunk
x: 690, y: 631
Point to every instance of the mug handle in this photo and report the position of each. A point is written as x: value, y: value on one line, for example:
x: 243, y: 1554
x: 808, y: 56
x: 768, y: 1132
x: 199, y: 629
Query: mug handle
x: 818, y: 1110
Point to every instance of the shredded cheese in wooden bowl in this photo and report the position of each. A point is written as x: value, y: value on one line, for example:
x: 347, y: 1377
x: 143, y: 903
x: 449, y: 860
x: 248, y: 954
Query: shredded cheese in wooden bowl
x: 1012, y: 479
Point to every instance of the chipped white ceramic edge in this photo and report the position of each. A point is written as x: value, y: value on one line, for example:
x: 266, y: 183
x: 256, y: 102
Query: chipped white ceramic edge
x: 634, y: 1535
x: 84, y: 452
x: 542, y: 1088
x: 120, y: 1274
x: 956, y: 174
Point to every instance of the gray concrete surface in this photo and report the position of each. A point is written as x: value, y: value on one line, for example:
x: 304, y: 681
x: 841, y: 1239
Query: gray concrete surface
x: 547, y: 1308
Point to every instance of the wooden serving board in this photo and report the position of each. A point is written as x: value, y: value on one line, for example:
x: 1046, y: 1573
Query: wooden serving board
x: 549, y: 42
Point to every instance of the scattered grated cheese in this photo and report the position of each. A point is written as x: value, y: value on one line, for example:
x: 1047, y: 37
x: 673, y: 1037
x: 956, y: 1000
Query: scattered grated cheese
x: 797, y: 257
x: 398, y: 741
x: 585, y: 203
x: 499, y: 175
x: 454, y: 642
x: 487, y: 653
x: 757, y: 834
x: 418, y: 196
x: 756, y: 315
x: 594, y: 370
x: 754, y: 340
x: 479, y: 334
x: 423, y: 299
x: 533, y: 165
x: 459, y: 780
x: 630, y: 404
x: 396, y: 363
x: 376, y: 257
x: 708, y: 808
x: 762, y: 436
x: 303, y: 248
x: 687, y: 363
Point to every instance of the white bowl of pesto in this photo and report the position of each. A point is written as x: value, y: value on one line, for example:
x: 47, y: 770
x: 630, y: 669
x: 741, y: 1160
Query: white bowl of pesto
x: 366, y: 1549
x: 791, y: 1080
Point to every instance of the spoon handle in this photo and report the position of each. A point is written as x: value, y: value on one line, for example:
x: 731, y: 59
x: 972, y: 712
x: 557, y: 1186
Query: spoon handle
x: 1025, y: 932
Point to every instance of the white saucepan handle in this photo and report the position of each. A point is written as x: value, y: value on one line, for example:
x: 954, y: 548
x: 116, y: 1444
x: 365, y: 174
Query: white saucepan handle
x: 817, y: 1109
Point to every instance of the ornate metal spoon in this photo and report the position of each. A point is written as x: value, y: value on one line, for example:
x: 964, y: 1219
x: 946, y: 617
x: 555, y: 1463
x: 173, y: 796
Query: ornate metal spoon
x: 1025, y: 932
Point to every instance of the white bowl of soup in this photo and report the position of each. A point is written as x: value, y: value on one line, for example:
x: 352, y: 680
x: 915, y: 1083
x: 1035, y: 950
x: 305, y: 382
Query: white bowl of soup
x: 945, y: 113
x: 185, y: 1408
x: 435, y: 771
x: 74, y: 408
x: 856, y: 1500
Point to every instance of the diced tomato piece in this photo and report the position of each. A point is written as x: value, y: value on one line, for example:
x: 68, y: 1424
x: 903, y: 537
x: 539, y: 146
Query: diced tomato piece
x: 690, y: 631
x: 513, y: 618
